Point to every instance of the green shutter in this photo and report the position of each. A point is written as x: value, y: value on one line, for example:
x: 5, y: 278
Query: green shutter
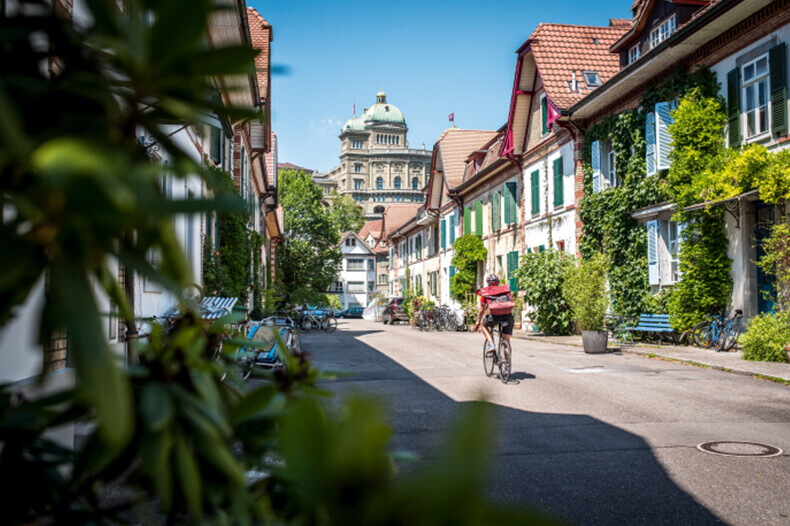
x: 535, y: 183
x: 544, y: 115
x: 467, y: 221
x: 512, y: 265
x: 734, y: 107
x: 444, y: 234
x: 541, y: 249
x: 510, y: 203
x: 452, y: 271
x: 214, y: 145
x: 777, y: 64
x: 453, y: 226
x: 479, y: 218
x: 559, y: 191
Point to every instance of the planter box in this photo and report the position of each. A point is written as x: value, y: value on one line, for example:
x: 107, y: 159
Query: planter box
x: 595, y: 341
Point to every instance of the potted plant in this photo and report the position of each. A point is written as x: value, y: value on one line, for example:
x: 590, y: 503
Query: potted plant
x: 585, y: 292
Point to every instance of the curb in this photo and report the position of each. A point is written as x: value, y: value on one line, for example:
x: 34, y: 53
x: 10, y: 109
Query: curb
x: 649, y: 354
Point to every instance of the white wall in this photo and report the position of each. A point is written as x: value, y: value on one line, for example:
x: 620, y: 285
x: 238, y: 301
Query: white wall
x: 563, y: 223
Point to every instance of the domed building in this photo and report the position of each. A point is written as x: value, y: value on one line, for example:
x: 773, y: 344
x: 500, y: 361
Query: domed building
x: 377, y: 167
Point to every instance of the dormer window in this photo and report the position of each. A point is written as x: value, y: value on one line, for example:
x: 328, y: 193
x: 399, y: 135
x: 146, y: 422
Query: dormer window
x: 592, y: 79
x: 663, y: 31
x: 634, y: 53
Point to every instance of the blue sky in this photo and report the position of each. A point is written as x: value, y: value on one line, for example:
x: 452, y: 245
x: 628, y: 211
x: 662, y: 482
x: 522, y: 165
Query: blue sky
x: 432, y: 58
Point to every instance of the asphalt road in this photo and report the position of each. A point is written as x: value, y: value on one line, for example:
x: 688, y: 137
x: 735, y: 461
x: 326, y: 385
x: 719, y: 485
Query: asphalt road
x: 593, y: 439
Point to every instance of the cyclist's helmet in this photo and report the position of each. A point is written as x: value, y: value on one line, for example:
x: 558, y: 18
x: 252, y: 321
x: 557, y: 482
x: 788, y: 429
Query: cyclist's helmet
x: 492, y: 279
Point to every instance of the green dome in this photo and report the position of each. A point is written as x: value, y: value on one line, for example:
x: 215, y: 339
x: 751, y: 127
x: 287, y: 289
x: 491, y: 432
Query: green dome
x: 383, y: 112
x: 354, y: 124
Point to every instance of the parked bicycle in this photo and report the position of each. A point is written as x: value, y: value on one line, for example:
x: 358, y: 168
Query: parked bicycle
x: 718, y: 332
x: 501, y: 357
x: 309, y: 320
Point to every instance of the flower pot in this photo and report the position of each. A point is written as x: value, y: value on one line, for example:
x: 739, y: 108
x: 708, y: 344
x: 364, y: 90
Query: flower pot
x: 595, y: 341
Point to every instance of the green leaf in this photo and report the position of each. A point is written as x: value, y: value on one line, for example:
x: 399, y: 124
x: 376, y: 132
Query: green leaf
x: 156, y: 406
x: 189, y: 479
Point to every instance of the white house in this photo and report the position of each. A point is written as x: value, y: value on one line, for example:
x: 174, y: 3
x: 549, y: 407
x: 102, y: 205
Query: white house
x: 356, y: 282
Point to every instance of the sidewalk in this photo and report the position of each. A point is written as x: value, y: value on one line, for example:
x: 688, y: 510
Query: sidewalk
x: 731, y: 362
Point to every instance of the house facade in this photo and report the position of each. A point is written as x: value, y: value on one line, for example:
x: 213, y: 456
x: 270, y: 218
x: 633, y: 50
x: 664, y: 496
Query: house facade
x: 356, y: 282
x: 744, y: 44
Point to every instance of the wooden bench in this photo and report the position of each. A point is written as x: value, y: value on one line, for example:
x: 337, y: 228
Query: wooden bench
x: 657, y: 323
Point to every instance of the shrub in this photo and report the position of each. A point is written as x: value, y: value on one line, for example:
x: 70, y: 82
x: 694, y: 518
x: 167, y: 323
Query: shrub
x: 469, y: 251
x: 766, y: 337
x: 585, y: 292
x: 776, y: 261
x: 542, y: 277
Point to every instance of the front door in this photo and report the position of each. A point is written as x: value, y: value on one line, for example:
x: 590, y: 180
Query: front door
x: 764, y: 215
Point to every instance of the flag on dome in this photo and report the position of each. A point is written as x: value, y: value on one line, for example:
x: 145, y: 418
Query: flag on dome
x: 452, y: 117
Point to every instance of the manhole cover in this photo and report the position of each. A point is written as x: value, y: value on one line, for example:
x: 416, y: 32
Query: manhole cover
x: 739, y: 449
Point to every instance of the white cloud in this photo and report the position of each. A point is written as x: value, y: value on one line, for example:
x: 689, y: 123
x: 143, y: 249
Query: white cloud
x: 324, y: 126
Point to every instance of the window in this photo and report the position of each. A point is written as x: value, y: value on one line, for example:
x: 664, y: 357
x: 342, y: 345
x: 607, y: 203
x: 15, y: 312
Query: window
x: 415, y: 183
x: 612, y: 165
x: 662, y: 32
x: 544, y: 114
x: 357, y: 184
x: 356, y: 286
x: 672, y: 246
x: 337, y: 286
x: 357, y: 168
x: 634, y: 53
x: 380, y: 184
x: 357, y: 144
x: 755, y: 75
x: 382, y: 279
x: 356, y: 264
x: 592, y: 79
x: 371, y: 264
x: 397, y: 183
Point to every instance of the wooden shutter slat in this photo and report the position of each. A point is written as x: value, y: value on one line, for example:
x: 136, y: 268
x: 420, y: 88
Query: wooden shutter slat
x: 650, y: 144
x: 535, y: 182
x: 595, y: 154
x: 479, y: 218
x: 663, y: 139
x: 559, y: 190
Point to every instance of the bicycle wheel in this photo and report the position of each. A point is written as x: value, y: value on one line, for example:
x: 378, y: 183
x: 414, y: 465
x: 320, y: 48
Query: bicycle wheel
x: 489, y: 360
x: 735, y: 331
x: 701, y: 334
x: 504, y: 361
x: 329, y: 325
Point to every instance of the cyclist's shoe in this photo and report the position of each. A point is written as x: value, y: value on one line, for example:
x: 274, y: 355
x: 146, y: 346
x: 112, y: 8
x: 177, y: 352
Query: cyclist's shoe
x: 490, y: 348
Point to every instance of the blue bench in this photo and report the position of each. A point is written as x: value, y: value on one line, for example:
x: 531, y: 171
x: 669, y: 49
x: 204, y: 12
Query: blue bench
x: 657, y: 323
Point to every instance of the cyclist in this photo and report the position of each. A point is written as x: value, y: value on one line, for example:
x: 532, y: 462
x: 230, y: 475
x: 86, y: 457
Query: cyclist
x: 496, y: 306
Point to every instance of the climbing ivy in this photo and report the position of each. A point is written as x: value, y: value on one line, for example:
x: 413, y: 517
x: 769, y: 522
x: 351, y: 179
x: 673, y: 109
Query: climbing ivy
x: 469, y: 251
x: 608, y: 225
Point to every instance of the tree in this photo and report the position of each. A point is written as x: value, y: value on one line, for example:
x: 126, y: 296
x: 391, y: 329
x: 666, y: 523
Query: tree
x: 346, y: 214
x: 308, y: 260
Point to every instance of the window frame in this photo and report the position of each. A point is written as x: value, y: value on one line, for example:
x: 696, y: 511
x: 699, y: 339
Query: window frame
x: 353, y: 268
x: 611, y: 162
x: 635, y: 53
x: 586, y: 79
x: 658, y: 31
x: 754, y: 82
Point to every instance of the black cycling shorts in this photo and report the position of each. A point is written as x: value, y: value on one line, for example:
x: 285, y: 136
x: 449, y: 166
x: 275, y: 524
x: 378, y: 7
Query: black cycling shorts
x: 506, y: 320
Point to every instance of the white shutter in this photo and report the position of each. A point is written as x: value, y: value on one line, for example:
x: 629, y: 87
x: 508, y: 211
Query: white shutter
x: 663, y: 139
x: 653, y: 276
x: 650, y: 140
x: 596, y: 166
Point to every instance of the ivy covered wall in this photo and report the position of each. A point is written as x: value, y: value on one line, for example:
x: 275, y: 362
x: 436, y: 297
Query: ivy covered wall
x: 608, y: 225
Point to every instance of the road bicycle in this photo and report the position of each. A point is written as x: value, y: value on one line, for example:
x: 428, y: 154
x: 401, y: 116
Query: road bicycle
x: 728, y: 335
x: 501, y: 357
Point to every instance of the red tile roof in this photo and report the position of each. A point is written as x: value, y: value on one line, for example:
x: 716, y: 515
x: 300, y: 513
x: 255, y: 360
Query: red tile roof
x: 261, y: 36
x: 456, y: 145
x: 561, y: 49
x: 372, y: 227
x: 398, y: 214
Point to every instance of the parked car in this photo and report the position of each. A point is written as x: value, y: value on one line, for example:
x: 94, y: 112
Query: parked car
x: 394, y: 312
x: 351, y: 312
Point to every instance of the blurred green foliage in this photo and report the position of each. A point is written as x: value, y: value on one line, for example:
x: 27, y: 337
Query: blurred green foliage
x: 176, y: 438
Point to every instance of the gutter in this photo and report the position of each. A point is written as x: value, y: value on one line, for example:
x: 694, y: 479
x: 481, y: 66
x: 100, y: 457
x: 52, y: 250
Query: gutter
x: 676, y: 38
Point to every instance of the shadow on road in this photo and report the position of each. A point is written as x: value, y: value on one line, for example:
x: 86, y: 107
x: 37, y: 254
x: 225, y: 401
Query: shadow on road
x: 569, y: 465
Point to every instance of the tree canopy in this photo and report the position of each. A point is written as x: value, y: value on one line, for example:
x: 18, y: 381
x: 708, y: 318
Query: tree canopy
x: 346, y: 214
x: 308, y: 260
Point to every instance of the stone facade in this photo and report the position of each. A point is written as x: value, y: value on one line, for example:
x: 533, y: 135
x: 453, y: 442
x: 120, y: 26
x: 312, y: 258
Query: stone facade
x: 377, y: 166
